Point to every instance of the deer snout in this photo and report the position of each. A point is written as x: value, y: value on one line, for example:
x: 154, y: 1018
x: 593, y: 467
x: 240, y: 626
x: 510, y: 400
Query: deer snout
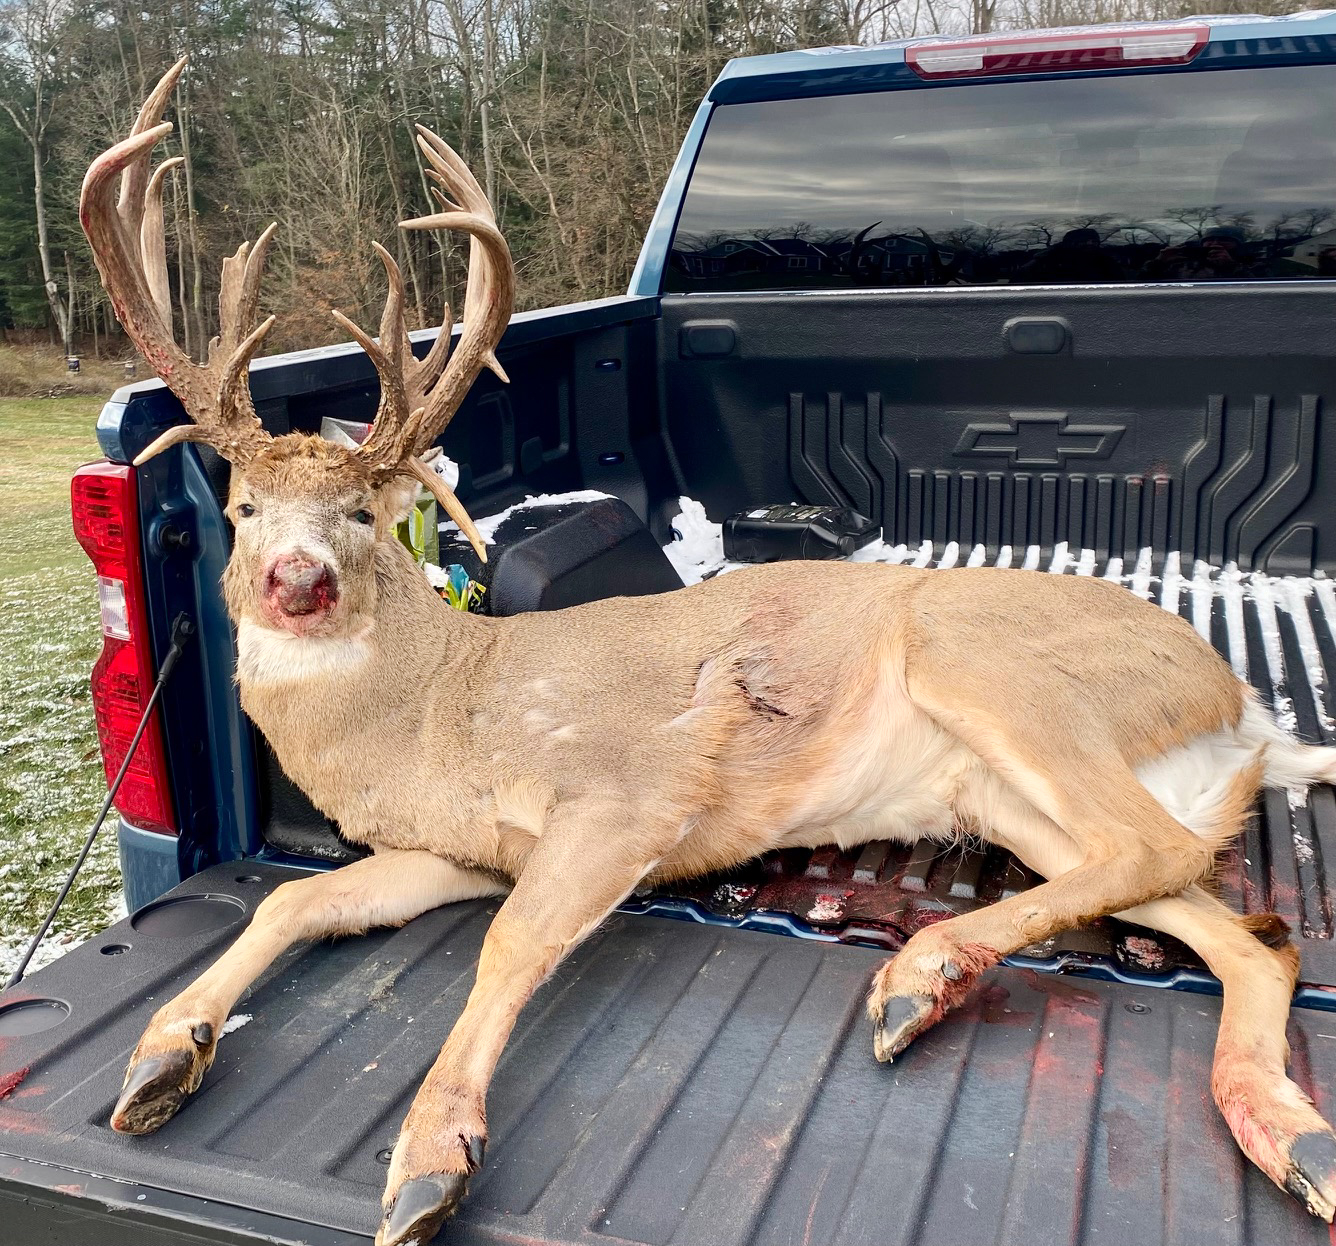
x: 297, y: 585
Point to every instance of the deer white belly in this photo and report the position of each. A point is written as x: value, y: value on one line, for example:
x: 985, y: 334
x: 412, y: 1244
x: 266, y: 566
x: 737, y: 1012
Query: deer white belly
x: 896, y: 777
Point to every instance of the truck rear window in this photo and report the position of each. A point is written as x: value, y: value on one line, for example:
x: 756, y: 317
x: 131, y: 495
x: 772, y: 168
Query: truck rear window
x: 1220, y: 176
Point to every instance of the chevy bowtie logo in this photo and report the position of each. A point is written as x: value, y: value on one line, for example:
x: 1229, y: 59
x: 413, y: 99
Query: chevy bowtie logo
x: 1040, y: 439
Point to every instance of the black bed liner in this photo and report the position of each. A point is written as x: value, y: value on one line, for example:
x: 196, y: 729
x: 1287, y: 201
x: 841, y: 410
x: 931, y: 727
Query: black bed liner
x: 673, y: 1083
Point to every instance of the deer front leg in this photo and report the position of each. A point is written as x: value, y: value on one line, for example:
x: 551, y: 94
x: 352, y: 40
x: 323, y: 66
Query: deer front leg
x: 585, y: 864
x: 178, y: 1046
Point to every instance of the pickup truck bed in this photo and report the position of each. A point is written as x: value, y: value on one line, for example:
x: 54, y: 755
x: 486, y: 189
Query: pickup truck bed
x: 672, y: 1083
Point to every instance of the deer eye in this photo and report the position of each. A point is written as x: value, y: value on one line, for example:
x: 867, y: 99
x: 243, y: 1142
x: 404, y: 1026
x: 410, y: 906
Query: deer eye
x: 364, y: 516
x: 245, y: 510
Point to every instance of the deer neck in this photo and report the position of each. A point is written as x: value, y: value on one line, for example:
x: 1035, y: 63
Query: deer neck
x: 317, y: 699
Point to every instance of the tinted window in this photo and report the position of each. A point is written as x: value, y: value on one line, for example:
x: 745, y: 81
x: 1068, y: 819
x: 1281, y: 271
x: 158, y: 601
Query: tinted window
x: 1155, y: 177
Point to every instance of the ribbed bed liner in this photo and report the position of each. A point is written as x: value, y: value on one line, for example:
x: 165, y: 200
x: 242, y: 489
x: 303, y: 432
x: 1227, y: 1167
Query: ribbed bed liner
x: 673, y: 1084
x: 1279, y: 634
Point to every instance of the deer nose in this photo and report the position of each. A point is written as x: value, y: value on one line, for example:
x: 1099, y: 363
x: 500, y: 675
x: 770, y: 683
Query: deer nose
x: 299, y: 585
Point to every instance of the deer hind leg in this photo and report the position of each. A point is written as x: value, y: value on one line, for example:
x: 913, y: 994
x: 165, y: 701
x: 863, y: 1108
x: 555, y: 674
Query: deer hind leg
x: 177, y: 1048
x: 1274, y: 1122
x: 585, y: 864
x: 1103, y: 849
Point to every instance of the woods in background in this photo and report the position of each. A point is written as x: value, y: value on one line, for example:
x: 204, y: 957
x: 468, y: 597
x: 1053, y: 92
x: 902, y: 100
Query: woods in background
x: 302, y: 112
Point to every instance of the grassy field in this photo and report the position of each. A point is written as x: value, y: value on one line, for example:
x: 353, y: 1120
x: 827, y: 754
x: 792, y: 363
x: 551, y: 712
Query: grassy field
x: 51, y: 780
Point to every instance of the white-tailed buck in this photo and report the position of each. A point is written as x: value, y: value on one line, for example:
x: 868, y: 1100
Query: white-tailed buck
x: 586, y: 751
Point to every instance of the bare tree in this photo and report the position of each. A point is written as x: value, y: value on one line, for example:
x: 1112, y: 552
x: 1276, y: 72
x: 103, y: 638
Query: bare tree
x: 30, y: 45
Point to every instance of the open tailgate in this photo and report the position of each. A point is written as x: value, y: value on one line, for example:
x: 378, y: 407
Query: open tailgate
x: 673, y: 1083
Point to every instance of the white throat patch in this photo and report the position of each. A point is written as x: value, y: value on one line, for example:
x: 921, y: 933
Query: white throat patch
x: 268, y: 656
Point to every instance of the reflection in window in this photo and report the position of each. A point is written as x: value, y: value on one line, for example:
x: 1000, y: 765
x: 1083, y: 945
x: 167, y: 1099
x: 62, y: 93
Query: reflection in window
x: 1205, y: 176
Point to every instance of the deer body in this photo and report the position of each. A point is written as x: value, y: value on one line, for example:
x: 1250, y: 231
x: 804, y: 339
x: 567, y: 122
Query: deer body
x: 562, y: 759
x: 737, y: 715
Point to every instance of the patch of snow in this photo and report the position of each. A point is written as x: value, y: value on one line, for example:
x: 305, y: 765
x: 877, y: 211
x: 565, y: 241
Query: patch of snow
x: 978, y: 556
x: 1292, y: 595
x: 1003, y: 557
x: 1141, y: 573
x: 1259, y: 589
x: 487, y: 527
x: 950, y: 556
x: 436, y: 576
x: 1031, y: 562
x: 1203, y: 593
x: 697, y: 549
x: 1171, y: 582
x: 1062, y: 558
x: 1085, y: 565
x: 235, y: 1022
x: 733, y: 894
x: 1230, y: 587
x: 447, y: 469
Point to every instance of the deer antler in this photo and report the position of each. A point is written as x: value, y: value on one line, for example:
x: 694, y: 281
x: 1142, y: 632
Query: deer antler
x: 129, y: 248
x: 418, y: 399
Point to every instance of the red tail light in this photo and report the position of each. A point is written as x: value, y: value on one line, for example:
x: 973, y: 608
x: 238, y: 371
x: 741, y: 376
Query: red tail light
x: 1101, y: 47
x: 104, y: 503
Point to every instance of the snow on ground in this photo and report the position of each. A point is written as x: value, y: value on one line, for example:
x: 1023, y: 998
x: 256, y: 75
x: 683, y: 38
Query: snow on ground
x: 51, y: 781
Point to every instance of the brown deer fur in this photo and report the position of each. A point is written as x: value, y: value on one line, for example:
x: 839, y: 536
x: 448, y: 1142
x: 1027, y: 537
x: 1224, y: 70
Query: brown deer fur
x: 564, y: 758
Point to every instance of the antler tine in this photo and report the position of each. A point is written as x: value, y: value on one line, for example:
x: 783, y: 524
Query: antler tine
x: 435, y: 388
x: 240, y: 292
x: 152, y: 243
x: 393, y: 330
x: 116, y: 244
x: 391, y: 358
x: 126, y: 236
x: 449, y: 171
x: 487, y: 305
x: 418, y: 399
x: 135, y: 178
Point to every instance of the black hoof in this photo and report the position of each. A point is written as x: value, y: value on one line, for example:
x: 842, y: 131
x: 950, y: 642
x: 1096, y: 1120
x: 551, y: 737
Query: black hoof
x: 421, y: 1207
x: 154, y: 1090
x: 903, y: 1017
x: 1311, y: 1177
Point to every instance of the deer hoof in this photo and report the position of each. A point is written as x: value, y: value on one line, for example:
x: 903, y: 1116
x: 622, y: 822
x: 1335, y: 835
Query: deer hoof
x: 903, y: 1018
x: 155, y: 1088
x: 420, y: 1207
x: 1311, y: 1176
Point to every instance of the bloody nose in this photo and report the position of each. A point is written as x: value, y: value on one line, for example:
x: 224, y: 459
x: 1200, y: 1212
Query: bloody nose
x: 299, y: 585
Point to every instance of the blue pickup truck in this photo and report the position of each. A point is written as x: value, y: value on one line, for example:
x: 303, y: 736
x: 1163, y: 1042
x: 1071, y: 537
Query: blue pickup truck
x: 1060, y: 301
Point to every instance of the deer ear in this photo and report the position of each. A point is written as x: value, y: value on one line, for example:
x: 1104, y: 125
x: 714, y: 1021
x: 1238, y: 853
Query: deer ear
x: 398, y: 496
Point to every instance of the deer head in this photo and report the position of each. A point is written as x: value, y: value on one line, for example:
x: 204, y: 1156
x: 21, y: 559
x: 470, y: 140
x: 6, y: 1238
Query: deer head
x: 309, y: 515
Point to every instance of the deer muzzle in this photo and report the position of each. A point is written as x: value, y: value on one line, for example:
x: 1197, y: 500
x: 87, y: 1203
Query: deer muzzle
x: 297, y: 586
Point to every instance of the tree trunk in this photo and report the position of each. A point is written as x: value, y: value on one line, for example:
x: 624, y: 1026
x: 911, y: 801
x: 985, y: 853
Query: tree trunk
x: 59, y: 312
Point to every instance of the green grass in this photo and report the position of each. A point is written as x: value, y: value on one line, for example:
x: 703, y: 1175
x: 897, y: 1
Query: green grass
x: 51, y: 781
